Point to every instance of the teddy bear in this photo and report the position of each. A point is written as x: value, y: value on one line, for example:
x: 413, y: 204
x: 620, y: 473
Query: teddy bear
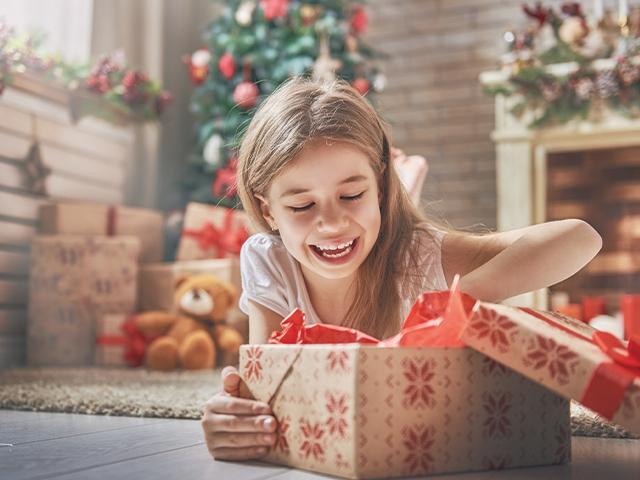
x: 192, y: 335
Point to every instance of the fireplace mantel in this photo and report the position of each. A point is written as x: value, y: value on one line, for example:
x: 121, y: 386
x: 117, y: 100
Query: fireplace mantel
x: 521, y: 162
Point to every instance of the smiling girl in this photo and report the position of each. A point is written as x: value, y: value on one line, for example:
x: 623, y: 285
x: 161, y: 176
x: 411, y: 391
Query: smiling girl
x: 341, y: 240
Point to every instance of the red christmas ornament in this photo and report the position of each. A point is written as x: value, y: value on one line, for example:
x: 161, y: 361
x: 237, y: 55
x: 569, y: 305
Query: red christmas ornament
x: 274, y: 8
x: 246, y: 94
x: 198, y: 64
x: 359, y: 20
x: 225, y: 185
x: 362, y: 85
x: 227, y: 66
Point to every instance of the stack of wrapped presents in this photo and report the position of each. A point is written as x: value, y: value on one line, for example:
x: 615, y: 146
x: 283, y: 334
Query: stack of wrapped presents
x: 96, y: 267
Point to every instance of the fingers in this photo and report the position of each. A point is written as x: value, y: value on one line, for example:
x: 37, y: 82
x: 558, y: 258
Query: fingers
x: 233, y: 384
x: 236, y: 406
x: 239, y: 423
x: 249, y: 453
x: 240, y: 440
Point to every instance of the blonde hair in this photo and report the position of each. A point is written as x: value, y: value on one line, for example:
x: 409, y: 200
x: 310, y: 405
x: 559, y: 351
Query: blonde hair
x: 301, y: 111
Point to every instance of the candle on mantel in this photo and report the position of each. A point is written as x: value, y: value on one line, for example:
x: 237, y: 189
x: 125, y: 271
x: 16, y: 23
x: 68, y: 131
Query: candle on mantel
x: 598, y: 9
x: 623, y: 9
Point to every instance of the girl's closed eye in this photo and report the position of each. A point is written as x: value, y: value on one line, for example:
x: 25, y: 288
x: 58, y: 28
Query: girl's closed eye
x: 349, y: 198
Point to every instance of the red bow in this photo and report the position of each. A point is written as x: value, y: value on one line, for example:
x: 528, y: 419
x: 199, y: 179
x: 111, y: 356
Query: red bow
x: 134, y: 342
x: 225, y: 240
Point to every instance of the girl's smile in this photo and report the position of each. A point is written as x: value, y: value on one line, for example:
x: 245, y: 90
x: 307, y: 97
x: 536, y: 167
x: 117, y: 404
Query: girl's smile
x: 336, y: 254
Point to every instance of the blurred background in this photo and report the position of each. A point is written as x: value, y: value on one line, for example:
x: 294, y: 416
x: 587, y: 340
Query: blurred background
x: 122, y: 118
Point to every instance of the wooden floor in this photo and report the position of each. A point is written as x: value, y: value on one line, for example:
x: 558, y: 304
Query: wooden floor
x: 67, y: 446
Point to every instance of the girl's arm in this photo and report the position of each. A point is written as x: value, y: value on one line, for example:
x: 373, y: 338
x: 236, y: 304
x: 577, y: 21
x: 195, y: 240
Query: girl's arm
x: 262, y: 321
x: 501, y: 265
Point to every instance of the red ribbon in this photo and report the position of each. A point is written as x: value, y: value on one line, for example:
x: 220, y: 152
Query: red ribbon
x: 610, y: 380
x: 111, y: 221
x: 133, y: 340
x: 224, y: 240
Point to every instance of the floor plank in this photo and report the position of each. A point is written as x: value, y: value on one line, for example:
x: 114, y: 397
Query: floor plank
x: 75, y: 447
x: 49, y: 458
x: 19, y: 427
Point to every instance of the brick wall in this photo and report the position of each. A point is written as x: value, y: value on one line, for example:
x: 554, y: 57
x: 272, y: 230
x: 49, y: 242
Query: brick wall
x: 433, y: 100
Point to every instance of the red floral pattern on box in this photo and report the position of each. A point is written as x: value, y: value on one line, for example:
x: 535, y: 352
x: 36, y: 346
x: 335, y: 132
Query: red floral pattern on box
x: 418, y: 441
x: 337, y: 408
x: 253, y: 366
x: 497, y: 408
x: 312, y: 445
x: 419, y: 392
x: 337, y: 360
x: 559, y: 360
x: 498, y: 329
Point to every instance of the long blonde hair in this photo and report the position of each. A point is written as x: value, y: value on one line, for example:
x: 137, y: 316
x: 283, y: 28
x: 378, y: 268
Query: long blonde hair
x: 300, y: 111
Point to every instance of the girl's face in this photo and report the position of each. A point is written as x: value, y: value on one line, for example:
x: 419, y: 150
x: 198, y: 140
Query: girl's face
x: 326, y: 207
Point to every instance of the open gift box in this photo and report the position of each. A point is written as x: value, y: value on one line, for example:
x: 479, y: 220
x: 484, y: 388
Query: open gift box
x: 432, y: 399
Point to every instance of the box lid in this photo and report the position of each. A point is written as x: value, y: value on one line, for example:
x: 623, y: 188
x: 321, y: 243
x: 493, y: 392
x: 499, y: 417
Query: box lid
x: 566, y: 355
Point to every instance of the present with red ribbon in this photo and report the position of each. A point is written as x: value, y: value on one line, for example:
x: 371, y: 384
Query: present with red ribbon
x: 71, y: 217
x: 421, y: 402
x: 212, y: 232
x: 119, y: 343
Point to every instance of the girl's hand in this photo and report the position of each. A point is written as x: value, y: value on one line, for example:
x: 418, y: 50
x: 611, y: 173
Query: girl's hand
x: 236, y: 426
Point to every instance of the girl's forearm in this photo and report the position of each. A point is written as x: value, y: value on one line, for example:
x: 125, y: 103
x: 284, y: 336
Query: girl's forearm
x: 544, y: 256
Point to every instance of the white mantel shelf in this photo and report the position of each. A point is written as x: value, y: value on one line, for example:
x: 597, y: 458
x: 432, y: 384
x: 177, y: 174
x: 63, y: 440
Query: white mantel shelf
x: 521, y: 161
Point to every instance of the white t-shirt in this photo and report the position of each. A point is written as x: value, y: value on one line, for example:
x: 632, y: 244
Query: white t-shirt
x: 272, y: 277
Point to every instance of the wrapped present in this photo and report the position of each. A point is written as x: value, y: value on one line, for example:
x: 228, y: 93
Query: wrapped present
x: 119, y: 343
x: 86, y: 218
x: 74, y: 281
x: 418, y: 403
x: 212, y: 232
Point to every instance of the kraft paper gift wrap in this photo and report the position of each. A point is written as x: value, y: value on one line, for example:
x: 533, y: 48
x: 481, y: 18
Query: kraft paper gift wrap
x: 418, y: 403
x: 212, y: 232
x: 67, y: 217
x: 74, y: 280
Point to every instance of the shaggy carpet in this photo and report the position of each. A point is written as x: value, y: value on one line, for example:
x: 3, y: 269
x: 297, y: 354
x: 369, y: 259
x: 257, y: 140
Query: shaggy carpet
x: 142, y: 393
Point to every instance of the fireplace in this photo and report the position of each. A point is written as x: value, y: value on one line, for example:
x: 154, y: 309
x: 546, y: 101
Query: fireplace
x: 585, y: 169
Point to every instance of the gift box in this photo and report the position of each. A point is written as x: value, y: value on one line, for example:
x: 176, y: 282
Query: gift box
x: 118, y: 342
x: 74, y: 281
x: 85, y: 218
x: 418, y: 403
x: 212, y: 232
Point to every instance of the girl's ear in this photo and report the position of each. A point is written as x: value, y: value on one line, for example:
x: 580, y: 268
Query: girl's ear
x: 266, y: 211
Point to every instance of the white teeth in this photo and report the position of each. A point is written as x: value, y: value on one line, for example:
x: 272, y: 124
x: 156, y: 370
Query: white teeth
x: 337, y: 247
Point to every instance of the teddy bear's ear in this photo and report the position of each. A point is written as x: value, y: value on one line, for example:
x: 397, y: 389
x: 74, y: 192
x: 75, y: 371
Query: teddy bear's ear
x: 180, y: 281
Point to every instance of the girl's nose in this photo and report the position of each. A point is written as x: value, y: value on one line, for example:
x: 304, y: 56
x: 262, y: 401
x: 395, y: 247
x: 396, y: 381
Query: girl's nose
x: 332, y: 219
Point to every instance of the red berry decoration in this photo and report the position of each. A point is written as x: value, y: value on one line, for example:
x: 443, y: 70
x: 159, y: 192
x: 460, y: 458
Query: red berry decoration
x: 359, y: 20
x: 246, y: 94
x: 274, y: 8
x: 362, y: 85
x: 227, y: 66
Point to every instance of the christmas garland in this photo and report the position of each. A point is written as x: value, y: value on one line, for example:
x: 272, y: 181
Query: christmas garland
x: 109, y: 90
x: 602, y: 68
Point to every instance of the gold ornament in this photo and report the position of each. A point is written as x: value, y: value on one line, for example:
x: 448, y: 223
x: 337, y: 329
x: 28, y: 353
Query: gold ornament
x: 309, y: 13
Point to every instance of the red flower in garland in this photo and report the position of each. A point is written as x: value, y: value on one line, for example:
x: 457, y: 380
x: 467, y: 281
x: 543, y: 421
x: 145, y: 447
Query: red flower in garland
x: 274, y: 8
x: 359, y: 20
x: 227, y: 66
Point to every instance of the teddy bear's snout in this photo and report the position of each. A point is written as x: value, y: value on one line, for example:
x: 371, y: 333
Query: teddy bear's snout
x: 197, y: 302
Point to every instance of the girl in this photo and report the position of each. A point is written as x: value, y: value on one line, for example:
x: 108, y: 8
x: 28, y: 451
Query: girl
x: 341, y: 240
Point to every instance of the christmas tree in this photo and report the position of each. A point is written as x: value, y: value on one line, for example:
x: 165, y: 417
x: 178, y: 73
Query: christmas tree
x: 252, y: 48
